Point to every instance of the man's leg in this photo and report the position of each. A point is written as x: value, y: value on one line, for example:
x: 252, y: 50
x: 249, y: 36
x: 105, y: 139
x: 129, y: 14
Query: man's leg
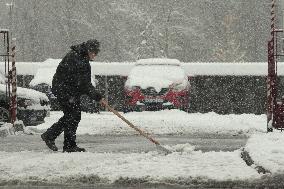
x: 50, y: 135
x: 57, y: 128
x: 72, y: 117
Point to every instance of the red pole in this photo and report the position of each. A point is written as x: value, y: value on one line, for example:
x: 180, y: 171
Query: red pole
x: 271, y: 78
x: 14, y: 87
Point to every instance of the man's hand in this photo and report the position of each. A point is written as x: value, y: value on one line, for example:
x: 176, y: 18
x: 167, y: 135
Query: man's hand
x: 103, y: 102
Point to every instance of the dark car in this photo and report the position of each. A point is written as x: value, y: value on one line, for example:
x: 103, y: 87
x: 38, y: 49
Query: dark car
x: 32, y: 106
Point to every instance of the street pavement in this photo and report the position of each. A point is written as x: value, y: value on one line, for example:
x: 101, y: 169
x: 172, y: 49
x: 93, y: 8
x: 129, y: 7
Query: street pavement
x: 135, y: 144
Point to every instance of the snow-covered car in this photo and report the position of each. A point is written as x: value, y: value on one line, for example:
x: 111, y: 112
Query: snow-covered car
x: 32, y: 106
x: 155, y: 84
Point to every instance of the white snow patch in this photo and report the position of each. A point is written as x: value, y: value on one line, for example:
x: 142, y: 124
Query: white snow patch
x: 182, y: 148
x: 164, y: 122
x: 6, y: 129
x: 267, y: 150
x: 154, y: 167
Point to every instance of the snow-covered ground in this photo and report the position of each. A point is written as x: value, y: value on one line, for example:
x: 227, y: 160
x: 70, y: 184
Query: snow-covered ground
x: 266, y: 150
x: 164, y: 122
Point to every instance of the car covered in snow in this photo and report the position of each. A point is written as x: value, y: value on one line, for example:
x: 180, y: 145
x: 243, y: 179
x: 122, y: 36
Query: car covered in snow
x: 32, y: 106
x: 155, y: 84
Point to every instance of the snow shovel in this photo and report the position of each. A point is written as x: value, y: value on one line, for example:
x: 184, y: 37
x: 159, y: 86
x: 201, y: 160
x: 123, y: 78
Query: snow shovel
x: 158, y: 145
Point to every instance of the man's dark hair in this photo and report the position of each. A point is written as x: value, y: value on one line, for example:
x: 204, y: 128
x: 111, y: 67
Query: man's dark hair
x: 93, y: 45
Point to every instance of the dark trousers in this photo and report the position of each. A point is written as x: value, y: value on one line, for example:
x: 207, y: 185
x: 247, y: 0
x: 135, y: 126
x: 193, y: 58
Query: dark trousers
x: 68, y: 123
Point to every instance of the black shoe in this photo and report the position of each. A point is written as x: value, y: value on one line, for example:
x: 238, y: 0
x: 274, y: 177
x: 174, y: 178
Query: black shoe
x: 49, y: 143
x: 73, y: 149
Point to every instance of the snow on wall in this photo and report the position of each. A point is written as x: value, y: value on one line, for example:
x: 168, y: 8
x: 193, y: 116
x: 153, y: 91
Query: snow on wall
x: 30, y: 68
x: 43, y: 75
x: 191, y: 68
x: 229, y: 68
x: 158, y: 61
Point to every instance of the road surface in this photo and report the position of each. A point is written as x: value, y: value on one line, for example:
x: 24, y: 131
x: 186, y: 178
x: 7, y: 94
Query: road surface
x: 129, y: 144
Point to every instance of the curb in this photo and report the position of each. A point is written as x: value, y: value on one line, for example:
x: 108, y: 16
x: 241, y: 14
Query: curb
x: 246, y: 157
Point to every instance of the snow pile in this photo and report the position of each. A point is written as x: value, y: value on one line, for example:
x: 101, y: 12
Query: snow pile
x: 6, y: 129
x: 113, y: 167
x: 267, y: 150
x: 164, y: 122
x: 182, y: 148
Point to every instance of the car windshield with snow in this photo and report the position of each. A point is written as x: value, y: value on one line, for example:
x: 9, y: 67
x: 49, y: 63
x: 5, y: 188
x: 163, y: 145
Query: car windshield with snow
x: 155, y: 84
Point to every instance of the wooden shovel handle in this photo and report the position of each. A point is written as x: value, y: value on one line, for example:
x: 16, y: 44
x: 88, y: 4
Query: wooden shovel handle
x: 130, y: 124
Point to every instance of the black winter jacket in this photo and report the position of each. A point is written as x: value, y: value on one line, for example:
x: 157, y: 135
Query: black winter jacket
x: 73, y: 75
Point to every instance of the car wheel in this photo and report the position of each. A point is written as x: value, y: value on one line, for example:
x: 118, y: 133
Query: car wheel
x: 4, y: 115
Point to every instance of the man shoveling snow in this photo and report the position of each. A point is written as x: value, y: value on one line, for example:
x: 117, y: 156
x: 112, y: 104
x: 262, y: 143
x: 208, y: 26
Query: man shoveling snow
x: 71, y: 80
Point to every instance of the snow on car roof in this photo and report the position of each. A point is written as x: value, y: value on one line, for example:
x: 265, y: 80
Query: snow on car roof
x: 158, y: 61
x: 157, y: 76
x: 27, y: 93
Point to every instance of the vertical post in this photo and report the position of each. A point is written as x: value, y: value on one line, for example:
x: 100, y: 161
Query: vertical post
x: 6, y: 58
x: 106, y: 91
x: 271, y: 78
x: 14, y: 86
x: 7, y: 67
